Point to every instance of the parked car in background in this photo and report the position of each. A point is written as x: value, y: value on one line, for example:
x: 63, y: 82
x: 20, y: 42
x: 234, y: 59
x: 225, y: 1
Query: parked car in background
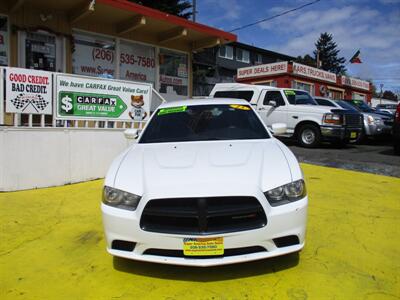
x: 396, y: 130
x: 206, y: 184
x: 307, y: 122
x: 375, y: 123
x: 389, y: 108
x: 353, y: 119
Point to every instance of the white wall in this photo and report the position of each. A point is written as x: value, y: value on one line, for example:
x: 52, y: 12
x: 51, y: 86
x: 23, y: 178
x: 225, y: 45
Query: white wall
x: 43, y: 157
x: 376, y: 101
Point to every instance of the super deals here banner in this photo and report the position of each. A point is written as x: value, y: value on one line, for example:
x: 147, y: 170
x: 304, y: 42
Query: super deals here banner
x: 88, y: 98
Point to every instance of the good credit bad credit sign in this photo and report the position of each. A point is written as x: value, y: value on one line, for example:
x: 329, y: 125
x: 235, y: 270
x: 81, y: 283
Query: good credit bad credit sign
x: 28, y: 91
x: 83, y: 98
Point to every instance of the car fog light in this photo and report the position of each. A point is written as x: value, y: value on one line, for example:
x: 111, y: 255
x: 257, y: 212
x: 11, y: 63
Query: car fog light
x: 120, y: 199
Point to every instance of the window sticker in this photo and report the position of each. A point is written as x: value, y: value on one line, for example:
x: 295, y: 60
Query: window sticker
x: 290, y: 93
x: 171, y: 110
x: 241, y: 107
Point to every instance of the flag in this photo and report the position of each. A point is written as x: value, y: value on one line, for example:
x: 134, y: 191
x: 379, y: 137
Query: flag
x: 356, y: 58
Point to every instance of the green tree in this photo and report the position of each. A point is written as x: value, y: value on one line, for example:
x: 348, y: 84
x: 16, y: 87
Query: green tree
x: 306, y: 60
x: 389, y: 95
x: 329, y: 54
x: 173, y: 7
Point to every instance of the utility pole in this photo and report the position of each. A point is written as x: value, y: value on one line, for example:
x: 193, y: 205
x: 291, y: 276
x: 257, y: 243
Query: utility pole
x: 380, y: 101
x: 194, y: 10
x: 318, y: 62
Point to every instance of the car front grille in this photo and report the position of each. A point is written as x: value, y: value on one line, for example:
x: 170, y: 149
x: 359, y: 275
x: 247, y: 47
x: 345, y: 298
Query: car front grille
x: 353, y: 119
x: 203, y: 216
x: 388, y: 122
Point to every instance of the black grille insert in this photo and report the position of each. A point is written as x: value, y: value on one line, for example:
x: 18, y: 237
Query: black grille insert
x: 353, y: 119
x: 227, y: 252
x: 201, y: 216
x: 286, y: 241
x: 123, y: 245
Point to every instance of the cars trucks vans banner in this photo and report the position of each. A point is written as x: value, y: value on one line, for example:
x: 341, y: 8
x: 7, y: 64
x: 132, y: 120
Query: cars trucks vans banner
x: 315, y: 73
x: 89, y: 98
x: 28, y: 91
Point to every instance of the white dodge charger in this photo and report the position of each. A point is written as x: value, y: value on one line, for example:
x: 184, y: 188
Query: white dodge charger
x: 206, y: 184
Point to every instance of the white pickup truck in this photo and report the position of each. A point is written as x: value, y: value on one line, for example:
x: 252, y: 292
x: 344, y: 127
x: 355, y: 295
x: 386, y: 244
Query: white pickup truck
x: 309, y: 123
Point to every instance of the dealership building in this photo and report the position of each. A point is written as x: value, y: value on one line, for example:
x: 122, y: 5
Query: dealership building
x: 317, y: 82
x: 104, y: 38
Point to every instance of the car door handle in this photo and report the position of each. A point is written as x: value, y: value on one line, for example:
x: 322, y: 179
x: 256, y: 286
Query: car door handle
x: 295, y: 117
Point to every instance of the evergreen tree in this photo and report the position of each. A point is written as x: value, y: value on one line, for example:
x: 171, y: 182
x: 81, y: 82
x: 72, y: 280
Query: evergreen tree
x: 328, y: 54
x: 306, y: 60
x: 173, y: 7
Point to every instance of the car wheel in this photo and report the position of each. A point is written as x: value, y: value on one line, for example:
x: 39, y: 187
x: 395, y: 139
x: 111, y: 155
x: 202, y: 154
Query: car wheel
x: 309, y: 136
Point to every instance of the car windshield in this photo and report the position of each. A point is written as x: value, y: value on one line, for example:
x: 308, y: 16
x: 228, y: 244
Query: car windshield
x: 346, y: 105
x: 360, y: 105
x: 299, y: 97
x: 204, y: 123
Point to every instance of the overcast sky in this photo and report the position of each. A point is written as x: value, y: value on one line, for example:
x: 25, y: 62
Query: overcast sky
x: 373, y: 26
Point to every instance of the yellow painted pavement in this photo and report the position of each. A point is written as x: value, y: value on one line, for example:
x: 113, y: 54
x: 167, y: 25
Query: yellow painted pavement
x: 52, y: 247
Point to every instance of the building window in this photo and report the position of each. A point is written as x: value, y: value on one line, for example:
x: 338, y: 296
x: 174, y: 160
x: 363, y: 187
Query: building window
x: 173, y: 74
x: 304, y: 86
x: 226, y: 52
x: 40, y: 51
x: 358, y: 96
x: 242, y: 55
x: 4, y: 53
x: 137, y: 62
x: 93, y: 56
x: 258, y: 60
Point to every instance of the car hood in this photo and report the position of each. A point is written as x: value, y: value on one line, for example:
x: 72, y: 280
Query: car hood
x: 317, y: 109
x: 203, y: 168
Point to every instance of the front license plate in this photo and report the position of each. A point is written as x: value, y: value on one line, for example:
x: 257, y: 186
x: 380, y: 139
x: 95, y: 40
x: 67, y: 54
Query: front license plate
x: 353, y: 135
x: 203, y: 246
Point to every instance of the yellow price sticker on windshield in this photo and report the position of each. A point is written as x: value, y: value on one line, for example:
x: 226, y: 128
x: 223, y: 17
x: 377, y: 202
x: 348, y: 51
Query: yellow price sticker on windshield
x: 241, y: 107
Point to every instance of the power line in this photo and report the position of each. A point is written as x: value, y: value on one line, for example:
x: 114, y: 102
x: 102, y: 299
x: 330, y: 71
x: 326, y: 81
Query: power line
x: 274, y: 16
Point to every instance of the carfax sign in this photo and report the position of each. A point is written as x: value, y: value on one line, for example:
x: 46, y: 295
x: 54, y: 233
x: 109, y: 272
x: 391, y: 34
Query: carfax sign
x: 88, y: 98
x: 28, y: 91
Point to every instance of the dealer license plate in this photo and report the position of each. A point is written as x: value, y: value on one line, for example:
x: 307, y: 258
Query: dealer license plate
x: 353, y: 135
x: 203, y: 246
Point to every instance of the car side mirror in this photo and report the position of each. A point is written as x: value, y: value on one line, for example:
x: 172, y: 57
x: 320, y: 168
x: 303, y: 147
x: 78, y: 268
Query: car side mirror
x: 279, y: 128
x: 131, y: 134
x: 273, y: 103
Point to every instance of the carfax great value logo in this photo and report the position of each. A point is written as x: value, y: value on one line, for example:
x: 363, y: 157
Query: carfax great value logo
x: 90, y: 105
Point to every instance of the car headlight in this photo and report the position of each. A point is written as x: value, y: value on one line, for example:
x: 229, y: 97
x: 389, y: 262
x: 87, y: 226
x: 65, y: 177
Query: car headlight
x: 334, y: 119
x: 287, y: 193
x: 372, y: 120
x: 120, y: 199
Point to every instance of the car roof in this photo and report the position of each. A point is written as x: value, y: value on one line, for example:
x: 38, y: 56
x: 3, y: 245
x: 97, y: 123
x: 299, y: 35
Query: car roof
x: 204, y: 101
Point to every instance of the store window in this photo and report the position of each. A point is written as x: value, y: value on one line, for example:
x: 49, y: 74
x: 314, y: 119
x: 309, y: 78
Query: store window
x: 334, y: 94
x: 4, y: 52
x: 242, y: 55
x: 226, y: 52
x: 93, y: 55
x: 137, y: 62
x: 173, y: 73
x: 40, y: 51
x: 358, y: 96
x: 304, y: 86
x: 258, y: 60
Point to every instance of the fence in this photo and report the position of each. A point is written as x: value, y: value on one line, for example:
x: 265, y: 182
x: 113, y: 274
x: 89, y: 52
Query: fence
x: 38, y: 150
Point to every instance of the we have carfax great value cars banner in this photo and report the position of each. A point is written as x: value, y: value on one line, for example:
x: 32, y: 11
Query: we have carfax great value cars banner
x: 83, y: 98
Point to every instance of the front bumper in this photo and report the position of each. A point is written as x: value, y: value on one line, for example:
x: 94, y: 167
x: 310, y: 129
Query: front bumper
x: 340, y: 133
x: 285, y: 220
x: 377, y: 129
